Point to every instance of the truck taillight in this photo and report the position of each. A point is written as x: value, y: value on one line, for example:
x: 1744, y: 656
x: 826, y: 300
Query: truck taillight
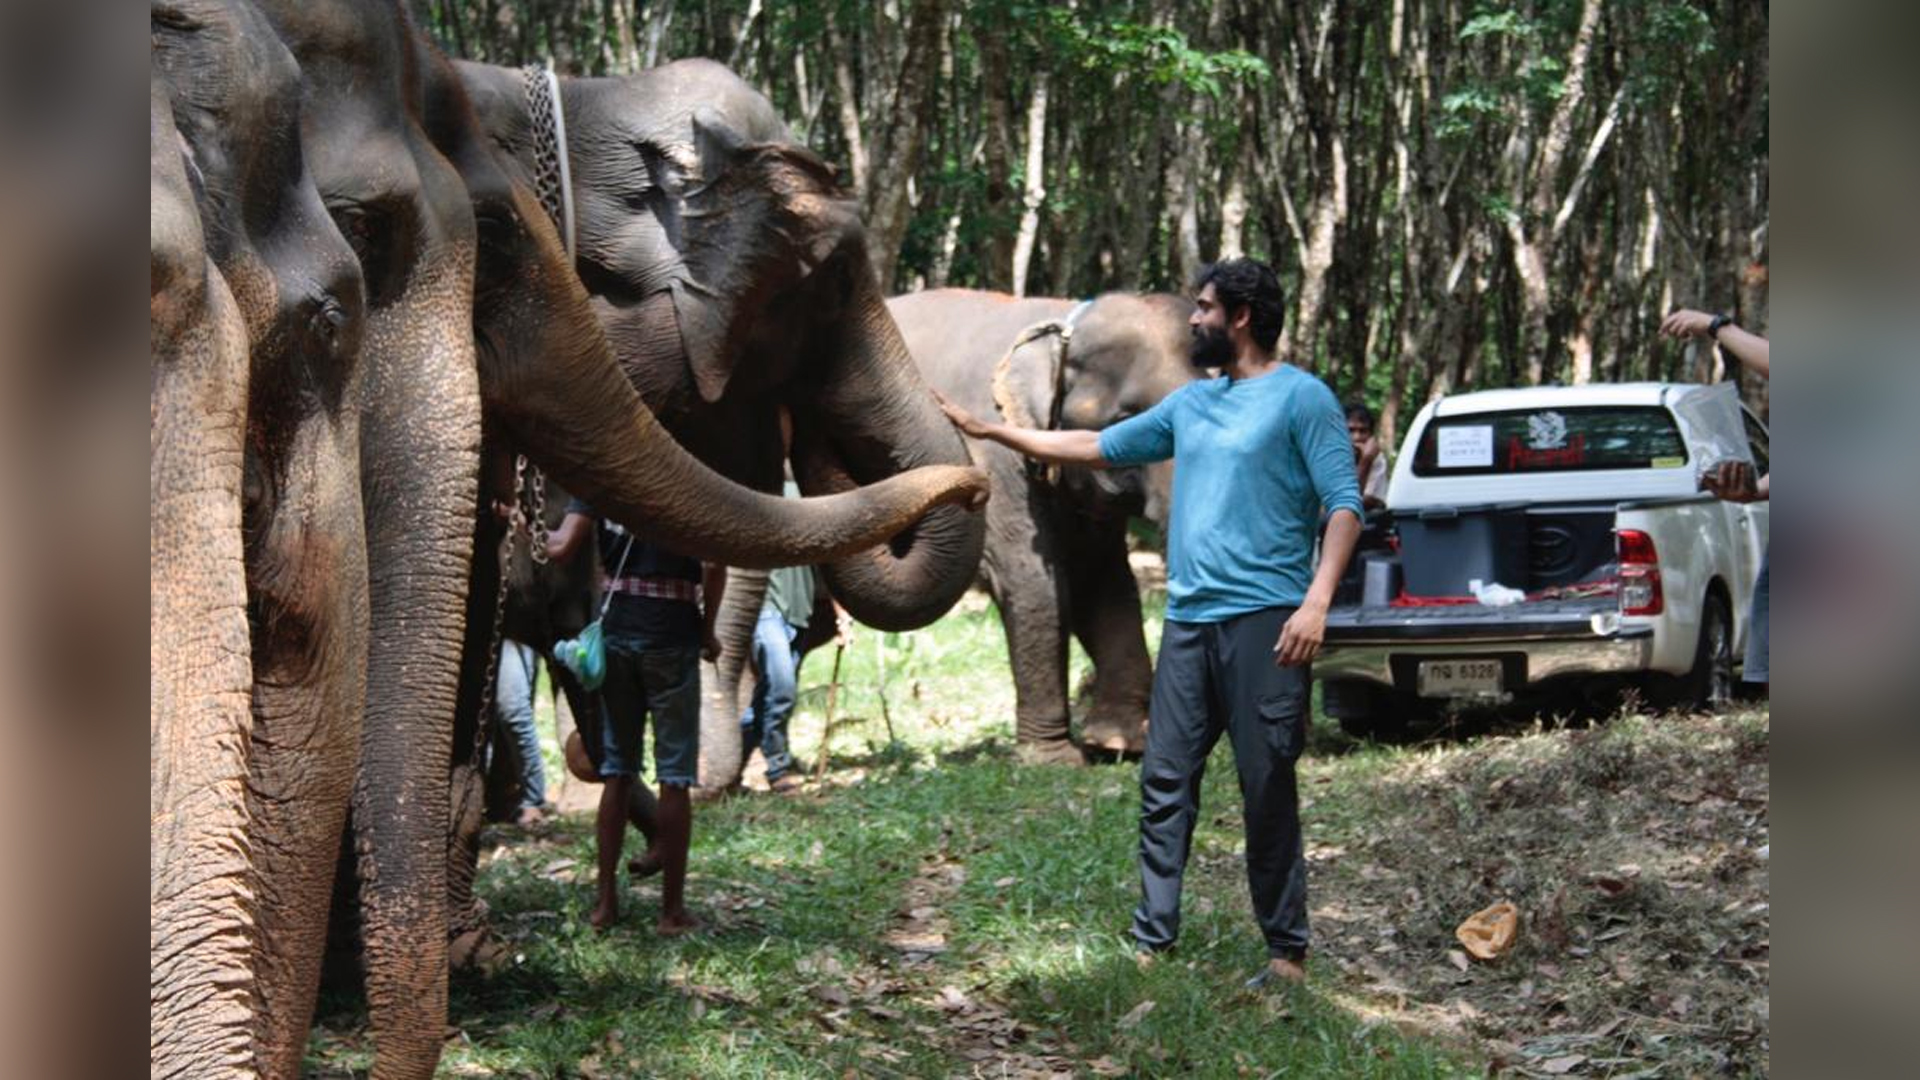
x: 1640, y: 592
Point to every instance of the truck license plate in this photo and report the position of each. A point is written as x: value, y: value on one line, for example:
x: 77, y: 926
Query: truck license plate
x: 1458, y: 678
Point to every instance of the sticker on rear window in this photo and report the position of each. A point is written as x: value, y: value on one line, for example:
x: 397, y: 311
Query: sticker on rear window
x: 1666, y: 462
x: 1466, y: 447
x: 1546, y: 431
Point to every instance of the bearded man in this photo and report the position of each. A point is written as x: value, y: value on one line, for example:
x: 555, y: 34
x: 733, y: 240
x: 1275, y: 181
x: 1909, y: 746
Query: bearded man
x: 1258, y: 452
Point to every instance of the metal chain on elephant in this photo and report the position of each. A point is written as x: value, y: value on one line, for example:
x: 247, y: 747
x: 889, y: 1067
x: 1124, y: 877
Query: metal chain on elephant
x: 524, y: 493
x: 553, y: 183
x: 530, y: 504
x: 552, y: 173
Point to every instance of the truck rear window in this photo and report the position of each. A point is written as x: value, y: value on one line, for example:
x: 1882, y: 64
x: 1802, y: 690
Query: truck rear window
x: 1551, y: 440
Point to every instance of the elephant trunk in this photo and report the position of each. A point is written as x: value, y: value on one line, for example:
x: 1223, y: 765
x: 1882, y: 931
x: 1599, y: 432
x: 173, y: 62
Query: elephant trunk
x: 723, y: 754
x: 200, y: 912
x: 874, y: 418
x: 584, y: 422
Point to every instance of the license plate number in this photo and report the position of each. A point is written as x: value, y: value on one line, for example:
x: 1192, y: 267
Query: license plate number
x: 1459, y: 678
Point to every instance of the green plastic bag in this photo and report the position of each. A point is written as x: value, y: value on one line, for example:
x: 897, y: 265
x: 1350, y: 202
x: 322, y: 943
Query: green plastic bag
x: 585, y: 656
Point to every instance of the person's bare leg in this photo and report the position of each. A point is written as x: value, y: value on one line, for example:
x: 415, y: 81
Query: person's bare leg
x: 610, y: 832
x: 674, y: 825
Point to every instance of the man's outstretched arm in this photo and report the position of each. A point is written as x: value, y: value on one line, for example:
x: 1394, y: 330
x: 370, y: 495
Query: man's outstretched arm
x: 1054, y: 447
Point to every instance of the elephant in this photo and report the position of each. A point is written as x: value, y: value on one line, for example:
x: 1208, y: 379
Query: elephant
x: 690, y: 193
x: 1056, y: 555
x: 409, y: 312
x: 259, y: 618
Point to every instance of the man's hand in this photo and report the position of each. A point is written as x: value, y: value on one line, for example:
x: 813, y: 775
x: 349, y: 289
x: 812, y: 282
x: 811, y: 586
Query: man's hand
x: 710, y: 649
x: 1686, y: 323
x: 1733, y: 481
x: 969, y: 424
x: 842, y: 628
x: 1300, y: 638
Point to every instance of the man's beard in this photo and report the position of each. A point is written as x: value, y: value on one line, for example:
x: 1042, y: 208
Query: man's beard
x: 1211, y: 348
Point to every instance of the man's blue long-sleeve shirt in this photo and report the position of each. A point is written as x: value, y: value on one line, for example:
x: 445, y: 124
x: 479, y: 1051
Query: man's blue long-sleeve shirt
x: 1256, y: 460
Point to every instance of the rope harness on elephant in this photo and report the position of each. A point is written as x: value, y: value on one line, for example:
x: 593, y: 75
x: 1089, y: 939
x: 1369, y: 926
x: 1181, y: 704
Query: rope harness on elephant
x: 1007, y: 399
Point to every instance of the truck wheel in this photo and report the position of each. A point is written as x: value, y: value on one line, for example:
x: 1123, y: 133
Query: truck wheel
x: 1708, y: 685
x: 1363, y: 711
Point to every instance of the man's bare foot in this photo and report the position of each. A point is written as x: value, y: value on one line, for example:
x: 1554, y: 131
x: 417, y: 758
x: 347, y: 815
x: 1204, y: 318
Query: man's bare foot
x: 678, y: 924
x: 646, y: 864
x: 530, y: 818
x: 605, y: 914
x: 1279, y: 971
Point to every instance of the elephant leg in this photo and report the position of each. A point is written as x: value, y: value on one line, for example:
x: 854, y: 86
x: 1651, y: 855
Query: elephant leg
x: 1106, y: 620
x: 420, y: 473
x: 1025, y: 578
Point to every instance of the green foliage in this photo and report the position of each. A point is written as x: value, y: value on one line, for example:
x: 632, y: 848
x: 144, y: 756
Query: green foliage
x: 1504, y: 24
x: 1161, y: 55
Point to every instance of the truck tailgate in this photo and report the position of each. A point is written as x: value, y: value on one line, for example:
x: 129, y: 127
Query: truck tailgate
x: 1594, y: 616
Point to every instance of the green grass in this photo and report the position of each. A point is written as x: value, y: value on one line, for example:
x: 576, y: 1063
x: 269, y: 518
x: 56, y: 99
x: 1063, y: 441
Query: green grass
x: 1025, y: 875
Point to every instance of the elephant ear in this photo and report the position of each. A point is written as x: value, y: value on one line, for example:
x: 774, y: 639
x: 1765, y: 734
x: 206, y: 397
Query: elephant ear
x: 761, y: 218
x: 1026, y: 386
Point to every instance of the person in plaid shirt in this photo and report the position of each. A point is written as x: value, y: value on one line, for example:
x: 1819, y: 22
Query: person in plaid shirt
x: 657, y: 627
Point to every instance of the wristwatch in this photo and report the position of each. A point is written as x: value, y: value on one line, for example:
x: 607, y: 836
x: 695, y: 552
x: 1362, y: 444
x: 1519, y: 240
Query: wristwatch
x: 1713, y: 327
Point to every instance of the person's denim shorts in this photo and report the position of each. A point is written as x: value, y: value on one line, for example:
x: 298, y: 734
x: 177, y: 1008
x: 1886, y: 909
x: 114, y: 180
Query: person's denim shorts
x: 663, y: 684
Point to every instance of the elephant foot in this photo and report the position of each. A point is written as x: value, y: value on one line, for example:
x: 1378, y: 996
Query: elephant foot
x: 1127, y: 738
x: 1049, y: 752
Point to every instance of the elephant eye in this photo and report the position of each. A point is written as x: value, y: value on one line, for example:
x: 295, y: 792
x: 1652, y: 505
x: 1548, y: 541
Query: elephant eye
x: 381, y: 236
x: 496, y: 224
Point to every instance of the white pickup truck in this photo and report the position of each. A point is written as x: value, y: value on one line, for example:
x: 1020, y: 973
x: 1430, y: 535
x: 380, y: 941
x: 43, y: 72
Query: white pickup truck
x: 1582, y: 504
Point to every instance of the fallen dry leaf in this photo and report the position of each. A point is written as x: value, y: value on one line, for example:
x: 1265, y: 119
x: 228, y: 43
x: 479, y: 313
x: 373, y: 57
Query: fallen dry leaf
x: 1136, y: 1014
x: 1490, y: 932
x: 1561, y: 1066
x: 1458, y: 959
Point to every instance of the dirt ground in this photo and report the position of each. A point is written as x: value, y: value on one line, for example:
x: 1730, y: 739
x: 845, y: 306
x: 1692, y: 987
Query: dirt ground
x: 1637, y: 854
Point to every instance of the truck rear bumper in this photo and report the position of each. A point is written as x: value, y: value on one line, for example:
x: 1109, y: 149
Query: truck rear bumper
x: 1527, y: 660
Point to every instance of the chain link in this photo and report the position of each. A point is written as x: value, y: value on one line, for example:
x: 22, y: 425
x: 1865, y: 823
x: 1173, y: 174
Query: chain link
x: 541, y: 109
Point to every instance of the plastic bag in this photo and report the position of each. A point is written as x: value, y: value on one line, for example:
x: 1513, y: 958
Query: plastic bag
x: 585, y: 656
x: 1496, y: 594
x: 1715, y: 429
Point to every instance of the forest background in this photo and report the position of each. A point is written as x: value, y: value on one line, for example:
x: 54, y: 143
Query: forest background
x: 1456, y: 193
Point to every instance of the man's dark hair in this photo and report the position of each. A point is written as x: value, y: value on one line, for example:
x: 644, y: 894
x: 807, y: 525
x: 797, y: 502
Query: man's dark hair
x: 1357, y: 410
x: 1250, y: 284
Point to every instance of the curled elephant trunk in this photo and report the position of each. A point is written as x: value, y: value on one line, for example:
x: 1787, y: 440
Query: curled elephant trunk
x: 580, y: 418
x: 873, y: 418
